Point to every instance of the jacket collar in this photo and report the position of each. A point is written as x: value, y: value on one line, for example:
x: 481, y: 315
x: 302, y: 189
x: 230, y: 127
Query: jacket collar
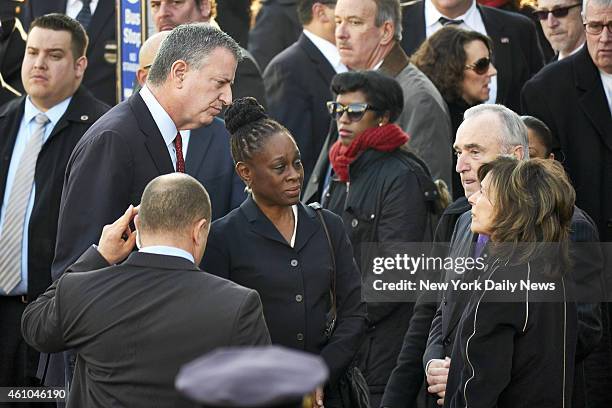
x: 395, y: 61
x: 155, y: 261
x: 261, y: 225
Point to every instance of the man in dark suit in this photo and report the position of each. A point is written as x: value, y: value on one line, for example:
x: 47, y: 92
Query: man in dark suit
x: 52, y: 71
x: 234, y: 17
x: 516, y: 50
x: 276, y: 28
x: 138, y: 140
x: 574, y: 98
x: 169, y: 14
x: 133, y: 325
x: 297, y: 80
x: 98, y: 19
x: 209, y: 159
x: 561, y: 24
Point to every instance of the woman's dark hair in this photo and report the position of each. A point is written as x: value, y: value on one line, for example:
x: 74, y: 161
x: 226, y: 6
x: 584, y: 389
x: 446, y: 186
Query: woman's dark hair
x: 250, y: 127
x: 533, y: 203
x: 541, y: 131
x: 382, y: 92
x: 442, y: 58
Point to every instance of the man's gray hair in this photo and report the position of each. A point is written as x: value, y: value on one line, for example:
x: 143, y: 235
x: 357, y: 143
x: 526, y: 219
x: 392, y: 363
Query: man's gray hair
x: 513, y: 130
x: 191, y: 43
x: 389, y: 10
x: 599, y: 3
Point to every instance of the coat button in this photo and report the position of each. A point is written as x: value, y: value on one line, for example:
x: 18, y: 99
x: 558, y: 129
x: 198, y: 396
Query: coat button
x: 294, y: 262
x: 298, y: 298
x: 446, y: 342
x: 84, y: 117
x: 300, y: 336
x: 354, y: 223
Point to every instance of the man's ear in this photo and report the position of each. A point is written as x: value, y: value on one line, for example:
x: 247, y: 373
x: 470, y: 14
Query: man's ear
x: 518, y: 152
x: 388, y: 30
x: 244, y: 172
x: 200, y: 231
x: 177, y: 73
x: 80, y: 65
x: 141, y: 76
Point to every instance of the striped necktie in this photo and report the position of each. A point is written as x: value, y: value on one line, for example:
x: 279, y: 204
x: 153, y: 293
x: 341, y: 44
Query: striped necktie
x: 447, y: 21
x: 14, y: 220
x: 84, y: 16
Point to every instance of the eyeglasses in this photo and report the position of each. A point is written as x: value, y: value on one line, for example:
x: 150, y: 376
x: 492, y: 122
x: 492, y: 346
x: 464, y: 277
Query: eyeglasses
x: 557, y: 13
x: 596, y: 27
x: 354, y: 111
x: 481, y: 66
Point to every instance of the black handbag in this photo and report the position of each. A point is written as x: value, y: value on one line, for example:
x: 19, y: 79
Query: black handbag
x: 352, y: 386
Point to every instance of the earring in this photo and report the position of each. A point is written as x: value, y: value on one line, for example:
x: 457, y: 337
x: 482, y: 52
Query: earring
x: 380, y: 124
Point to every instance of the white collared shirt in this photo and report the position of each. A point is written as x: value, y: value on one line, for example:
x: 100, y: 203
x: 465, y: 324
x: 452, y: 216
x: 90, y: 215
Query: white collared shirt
x: 472, y: 20
x: 73, y: 7
x: 329, y: 51
x: 164, y: 123
x: 559, y: 57
x: 606, y: 80
x: 295, y: 220
x: 167, y: 250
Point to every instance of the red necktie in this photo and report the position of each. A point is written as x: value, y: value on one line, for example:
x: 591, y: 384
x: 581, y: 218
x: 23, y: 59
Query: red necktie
x: 180, y: 161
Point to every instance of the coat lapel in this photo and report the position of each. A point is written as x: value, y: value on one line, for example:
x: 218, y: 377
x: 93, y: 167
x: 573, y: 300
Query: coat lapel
x: 199, y: 141
x: 154, y: 141
x: 76, y: 112
x: 102, y: 15
x: 324, y: 68
x: 308, y: 224
x: 592, y: 98
x: 260, y: 224
x: 502, y: 52
x: 413, y: 18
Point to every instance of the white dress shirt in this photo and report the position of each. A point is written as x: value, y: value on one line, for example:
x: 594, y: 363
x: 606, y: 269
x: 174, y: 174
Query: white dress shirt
x: 73, y: 7
x: 166, y: 126
x: 167, y: 250
x: 472, y: 20
x: 329, y: 51
x: 27, y: 127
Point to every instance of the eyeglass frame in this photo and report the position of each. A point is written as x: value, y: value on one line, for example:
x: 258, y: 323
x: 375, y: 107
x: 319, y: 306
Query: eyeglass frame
x: 474, y: 66
x: 608, y: 25
x: 559, y: 12
x: 345, y: 109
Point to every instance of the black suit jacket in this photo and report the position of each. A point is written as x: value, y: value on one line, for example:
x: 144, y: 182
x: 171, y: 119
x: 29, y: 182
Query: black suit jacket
x: 100, y: 77
x: 297, y: 86
x: 234, y: 17
x: 516, y: 50
x: 12, y: 48
x: 133, y: 325
x: 569, y: 97
x: 276, y: 28
x: 81, y: 113
x: 210, y: 162
x: 248, y: 81
x: 294, y: 283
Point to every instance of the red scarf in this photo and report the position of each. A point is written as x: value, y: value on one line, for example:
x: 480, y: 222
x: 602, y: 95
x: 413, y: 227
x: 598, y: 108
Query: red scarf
x: 385, y: 138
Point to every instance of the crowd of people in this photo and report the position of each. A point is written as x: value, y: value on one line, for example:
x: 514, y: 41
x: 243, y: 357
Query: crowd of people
x: 238, y: 197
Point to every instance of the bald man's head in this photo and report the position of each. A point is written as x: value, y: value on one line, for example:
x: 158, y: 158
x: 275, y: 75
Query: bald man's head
x: 147, y: 54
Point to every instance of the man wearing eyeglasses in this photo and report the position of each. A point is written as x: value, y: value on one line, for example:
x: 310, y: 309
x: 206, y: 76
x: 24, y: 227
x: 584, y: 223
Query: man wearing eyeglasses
x: 562, y: 25
x: 574, y: 98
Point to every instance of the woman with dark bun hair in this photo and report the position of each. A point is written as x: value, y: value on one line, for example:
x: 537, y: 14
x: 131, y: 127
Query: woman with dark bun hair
x: 274, y: 244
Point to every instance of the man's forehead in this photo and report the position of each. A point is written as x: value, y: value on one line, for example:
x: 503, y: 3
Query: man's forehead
x: 355, y: 8
x: 549, y: 4
x: 597, y: 12
x: 47, y: 38
x: 481, y: 131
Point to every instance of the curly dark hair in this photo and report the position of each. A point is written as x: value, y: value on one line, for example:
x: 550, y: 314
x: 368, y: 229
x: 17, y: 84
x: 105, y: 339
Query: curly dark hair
x: 442, y: 58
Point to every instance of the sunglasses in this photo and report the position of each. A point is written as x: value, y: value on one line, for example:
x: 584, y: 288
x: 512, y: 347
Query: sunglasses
x: 481, y: 66
x: 596, y: 27
x: 354, y: 111
x: 557, y: 13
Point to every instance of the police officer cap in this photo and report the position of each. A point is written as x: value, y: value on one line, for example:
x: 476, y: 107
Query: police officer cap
x: 267, y: 376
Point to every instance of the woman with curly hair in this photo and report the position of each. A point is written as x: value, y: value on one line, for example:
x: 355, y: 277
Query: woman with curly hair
x: 458, y: 62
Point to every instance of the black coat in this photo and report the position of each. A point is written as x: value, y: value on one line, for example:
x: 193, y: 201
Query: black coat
x: 276, y: 28
x: 134, y: 325
x: 248, y: 81
x: 569, y: 97
x: 519, y: 353
x: 407, y: 377
x: 294, y: 283
x: 297, y: 87
x: 516, y: 50
x: 101, y: 76
x: 12, y: 48
x: 234, y: 17
x: 81, y: 113
x: 384, y: 204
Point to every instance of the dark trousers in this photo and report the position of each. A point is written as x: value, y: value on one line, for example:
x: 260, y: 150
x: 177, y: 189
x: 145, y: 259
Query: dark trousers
x: 18, y: 361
